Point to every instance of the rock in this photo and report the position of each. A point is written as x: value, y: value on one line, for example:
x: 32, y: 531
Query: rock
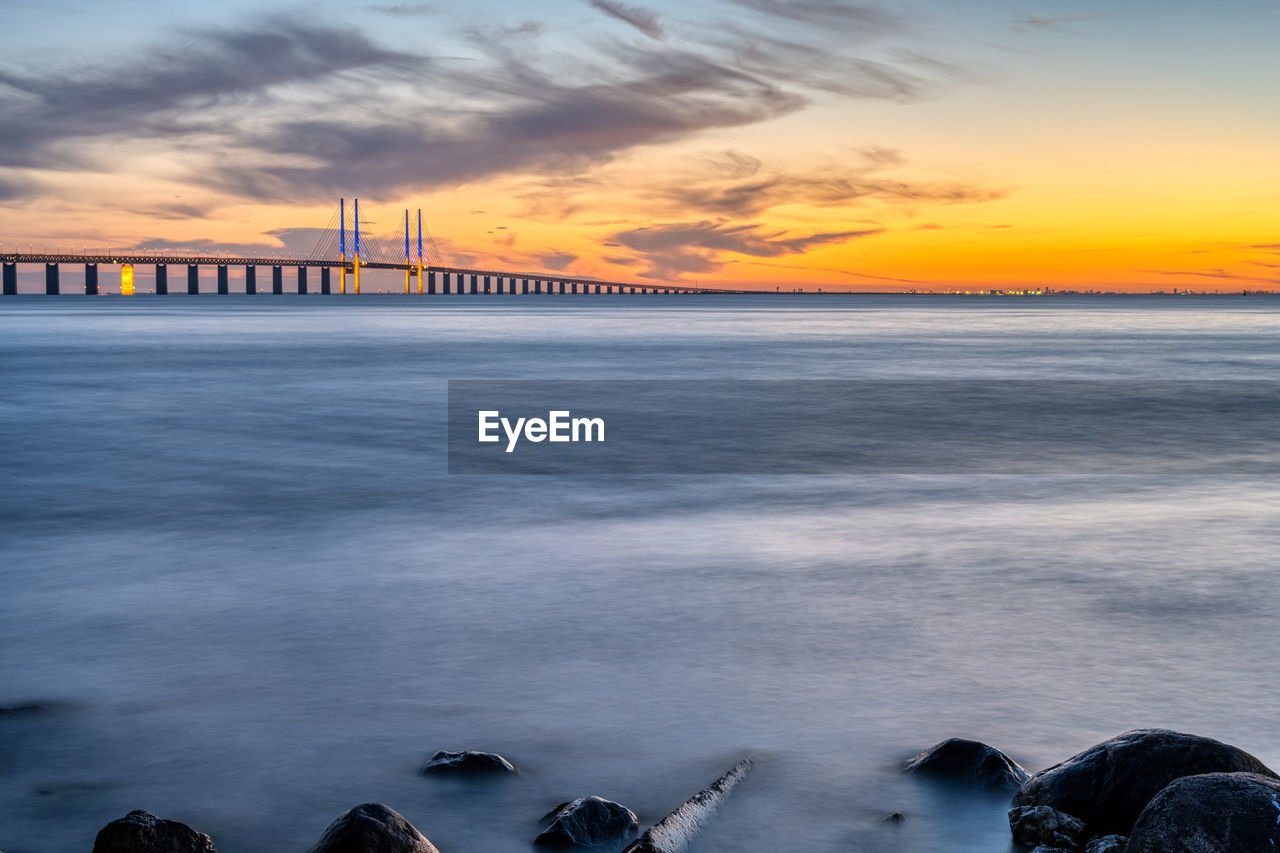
x: 1108, y: 785
x: 1213, y: 813
x: 588, y: 821
x: 1045, y: 849
x: 1106, y: 844
x: 1045, y: 826
x: 142, y: 832
x: 372, y: 828
x: 467, y: 763
x: 970, y: 762
x: 25, y: 708
x: 895, y: 818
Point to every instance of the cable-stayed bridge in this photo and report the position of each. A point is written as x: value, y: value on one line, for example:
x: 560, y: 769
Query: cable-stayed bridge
x: 340, y: 253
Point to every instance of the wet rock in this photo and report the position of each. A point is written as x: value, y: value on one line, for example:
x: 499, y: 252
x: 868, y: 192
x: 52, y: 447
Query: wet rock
x: 895, y: 818
x: 970, y: 762
x: 142, y: 832
x: 1044, y: 849
x: 24, y: 708
x: 1045, y: 826
x: 468, y: 763
x: 586, y: 822
x: 1213, y: 813
x: 1108, y: 785
x: 1106, y: 844
x: 373, y: 828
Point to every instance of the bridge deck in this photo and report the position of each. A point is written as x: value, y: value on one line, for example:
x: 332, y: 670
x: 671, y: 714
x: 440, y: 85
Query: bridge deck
x: 222, y: 260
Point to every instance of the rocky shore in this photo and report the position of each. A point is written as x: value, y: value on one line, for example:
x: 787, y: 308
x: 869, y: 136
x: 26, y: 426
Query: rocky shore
x: 1144, y: 791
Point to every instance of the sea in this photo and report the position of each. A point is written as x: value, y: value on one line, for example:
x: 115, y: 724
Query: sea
x: 242, y: 590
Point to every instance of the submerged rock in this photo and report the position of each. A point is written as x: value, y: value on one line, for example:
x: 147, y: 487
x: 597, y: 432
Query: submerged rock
x: 1106, y: 844
x: 970, y: 762
x: 895, y: 818
x: 373, y: 828
x: 1212, y: 813
x: 588, y: 821
x: 1046, y: 827
x: 142, y: 832
x: 468, y: 762
x: 1108, y: 785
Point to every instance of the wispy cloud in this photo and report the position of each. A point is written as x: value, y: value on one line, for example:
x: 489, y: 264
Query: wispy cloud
x: 282, y: 110
x: 642, y: 19
x: 1022, y: 25
x: 404, y: 10
x: 675, y: 248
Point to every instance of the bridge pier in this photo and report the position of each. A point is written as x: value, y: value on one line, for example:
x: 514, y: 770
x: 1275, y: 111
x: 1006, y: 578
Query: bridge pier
x: 10, y: 279
x: 223, y: 287
x: 524, y: 286
x: 51, y: 279
x: 486, y: 284
x: 277, y: 281
x: 562, y: 287
x: 324, y: 281
x: 162, y: 279
x: 302, y: 280
x: 431, y: 282
x: 475, y: 283
x: 193, y: 280
x: 250, y: 280
x: 444, y: 283
x: 91, y: 279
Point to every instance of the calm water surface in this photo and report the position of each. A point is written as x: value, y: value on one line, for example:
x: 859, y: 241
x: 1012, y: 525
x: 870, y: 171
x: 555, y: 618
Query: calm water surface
x: 236, y: 573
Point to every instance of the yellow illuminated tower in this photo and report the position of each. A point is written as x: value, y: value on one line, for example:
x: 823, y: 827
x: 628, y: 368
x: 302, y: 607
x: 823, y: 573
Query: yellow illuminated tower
x: 419, y: 251
x: 126, y: 279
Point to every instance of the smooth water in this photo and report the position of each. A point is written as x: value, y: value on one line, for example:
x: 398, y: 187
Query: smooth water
x: 236, y: 574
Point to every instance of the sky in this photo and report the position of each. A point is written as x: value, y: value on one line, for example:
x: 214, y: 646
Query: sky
x: 769, y: 144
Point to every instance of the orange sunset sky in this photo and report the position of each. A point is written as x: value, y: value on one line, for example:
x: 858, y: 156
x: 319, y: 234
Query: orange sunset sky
x: 761, y: 143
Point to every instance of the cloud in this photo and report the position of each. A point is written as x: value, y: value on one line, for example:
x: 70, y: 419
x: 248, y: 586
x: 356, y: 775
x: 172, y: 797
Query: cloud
x: 541, y: 124
x: 404, y: 10
x: 285, y: 243
x: 642, y: 19
x: 1055, y: 23
x: 671, y: 249
x: 1216, y: 272
x: 557, y: 260
x: 735, y: 184
x: 14, y: 188
x: 176, y: 91
x: 289, y: 111
x: 847, y: 18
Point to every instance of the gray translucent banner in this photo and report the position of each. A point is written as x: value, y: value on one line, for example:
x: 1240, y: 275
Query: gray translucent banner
x: 857, y: 426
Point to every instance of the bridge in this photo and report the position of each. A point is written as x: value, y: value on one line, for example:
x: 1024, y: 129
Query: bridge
x: 331, y: 254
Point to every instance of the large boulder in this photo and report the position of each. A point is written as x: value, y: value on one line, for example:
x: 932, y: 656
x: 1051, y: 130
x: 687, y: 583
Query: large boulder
x: 1108, y: 785
x: 373, y: 828
x: 1213, y: 813
x: 586, y: 822
x: 1045, y: 827
x: 970, y: 762
x: 142, y: 832
x: 467, y: 763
